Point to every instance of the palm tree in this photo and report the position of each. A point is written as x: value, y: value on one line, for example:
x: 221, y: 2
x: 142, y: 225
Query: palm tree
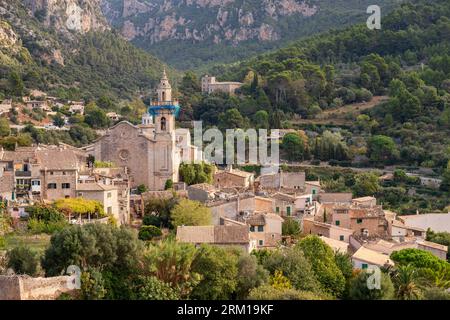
x: 406, y: 281
x: 440, y: 277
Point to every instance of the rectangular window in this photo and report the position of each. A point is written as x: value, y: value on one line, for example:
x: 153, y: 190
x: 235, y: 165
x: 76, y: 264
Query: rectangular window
x: 261, y: 242
x: 358, y: 220
x: 341, y: 238
x: 338, y: 223
x: 252, y: 229
x: 288, y: 209
x: 65, y: 185
x: 260, y: 228
x: 109, y: 210
x: 364, y: 266
x: 51, y: 186
x: 109, y: 195
x: 277, y: 209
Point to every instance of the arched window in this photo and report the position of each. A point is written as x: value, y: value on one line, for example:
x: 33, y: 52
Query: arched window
x: 163, y: 124
x: 163, y: 96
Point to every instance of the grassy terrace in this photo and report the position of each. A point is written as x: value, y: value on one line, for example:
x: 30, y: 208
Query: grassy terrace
x: 37, y: 243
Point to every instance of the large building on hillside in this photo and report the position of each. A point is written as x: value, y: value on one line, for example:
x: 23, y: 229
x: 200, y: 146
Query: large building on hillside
x: 210, y: 85
x: 153, y: 150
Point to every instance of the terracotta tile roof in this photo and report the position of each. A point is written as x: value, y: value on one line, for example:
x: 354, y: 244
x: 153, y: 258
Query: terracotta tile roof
x: 21, y: 154
x: 203, y: 186
x: 374, y: 212
x: 385, y: 247
x: 433, y: 245
x: 273, y: 216
x: 59, y: 159
x: 337, y: 197
x: 364, y: 199
x: 229, y: 234
x: 283, y: 196
x: 372, y: 257
x: 195, y: 234
x: 7, y: 182
x: 259, y: 219
x: 95, y: 187
x: 336, y: 245
x: 256, y: 220
x: 236, y: 172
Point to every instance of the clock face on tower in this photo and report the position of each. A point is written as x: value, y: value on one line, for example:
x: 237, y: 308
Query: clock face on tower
x: 124, y: 154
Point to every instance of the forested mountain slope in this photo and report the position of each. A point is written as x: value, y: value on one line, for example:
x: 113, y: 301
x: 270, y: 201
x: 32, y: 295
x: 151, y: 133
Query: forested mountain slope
x: 68, y: 49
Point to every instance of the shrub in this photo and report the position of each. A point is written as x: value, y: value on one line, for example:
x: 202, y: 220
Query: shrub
x: 359, y: 290
x: 22, y: 260
x: 40, y: 226
x: 290, y: 227
x: 151, y: 220
x: 151, y: 288
x: 149, y: 232
x: 2, y: 242
x: 270, y: 293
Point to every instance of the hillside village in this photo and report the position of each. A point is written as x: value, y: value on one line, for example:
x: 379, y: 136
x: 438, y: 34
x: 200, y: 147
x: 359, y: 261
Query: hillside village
x: 106, y: 192
x: 244, y: 210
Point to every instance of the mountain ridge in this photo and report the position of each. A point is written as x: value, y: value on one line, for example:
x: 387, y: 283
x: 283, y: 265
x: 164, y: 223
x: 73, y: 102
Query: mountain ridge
x: 192, y: 33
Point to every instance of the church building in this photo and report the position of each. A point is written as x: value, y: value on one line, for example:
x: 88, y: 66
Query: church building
x: 153, y: 150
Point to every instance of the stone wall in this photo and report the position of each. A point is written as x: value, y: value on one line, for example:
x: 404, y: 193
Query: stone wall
x: 27, y: 288
x: 9, y: 288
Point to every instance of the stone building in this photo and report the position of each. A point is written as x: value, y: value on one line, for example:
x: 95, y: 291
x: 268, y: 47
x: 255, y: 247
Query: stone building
x: 152, y: 151
x: 210, y: 85
x: 41, y: 173
x: 234, y: 235
x: 310, y: 226
x: 265, y: 228
x: 233, y: 178
x: 107, y: 195
x: 287, y: 181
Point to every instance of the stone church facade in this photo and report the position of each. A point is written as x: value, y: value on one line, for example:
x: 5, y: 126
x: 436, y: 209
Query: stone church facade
x: 153, y: 150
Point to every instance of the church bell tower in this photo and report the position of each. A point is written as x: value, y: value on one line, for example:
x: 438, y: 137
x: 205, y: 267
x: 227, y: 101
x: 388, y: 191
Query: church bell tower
x: 163, y: 111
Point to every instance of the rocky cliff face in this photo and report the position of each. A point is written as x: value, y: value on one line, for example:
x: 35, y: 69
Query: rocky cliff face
x: 69, y: 15
x: 46, y: 26
x: 228, y: 21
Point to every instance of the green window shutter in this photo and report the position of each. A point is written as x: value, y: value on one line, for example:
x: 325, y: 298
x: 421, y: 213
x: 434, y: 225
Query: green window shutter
x: 364, y: 266
x: 341, y: 238
x: 288, y: 211
x: 338, y: 223
x: 277, y: 209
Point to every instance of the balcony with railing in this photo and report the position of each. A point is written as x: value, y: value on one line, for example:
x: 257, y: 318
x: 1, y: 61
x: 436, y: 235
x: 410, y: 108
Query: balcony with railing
x: 22, y: 173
